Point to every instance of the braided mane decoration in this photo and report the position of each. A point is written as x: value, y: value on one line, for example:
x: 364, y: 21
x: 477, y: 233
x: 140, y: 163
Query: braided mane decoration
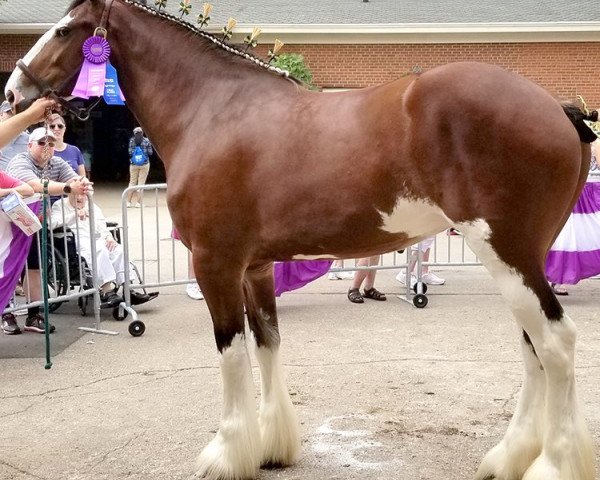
x: 213, y: 39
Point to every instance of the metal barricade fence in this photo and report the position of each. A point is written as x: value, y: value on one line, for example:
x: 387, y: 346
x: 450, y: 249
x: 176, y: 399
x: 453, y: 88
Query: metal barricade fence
x: 69, y: 276
x: 148, y: 243
x: 145, y: 231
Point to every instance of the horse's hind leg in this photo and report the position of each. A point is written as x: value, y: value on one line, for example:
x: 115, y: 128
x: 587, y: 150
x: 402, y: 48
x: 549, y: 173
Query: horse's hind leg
x: 547, y: 438
x: 234, y: 453
x: 277, y: 418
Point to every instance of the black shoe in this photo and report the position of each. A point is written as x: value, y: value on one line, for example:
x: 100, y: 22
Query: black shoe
x: 110, y: 300
x: 36, y: 324
x: 139, y: 298
x: 9, y: 324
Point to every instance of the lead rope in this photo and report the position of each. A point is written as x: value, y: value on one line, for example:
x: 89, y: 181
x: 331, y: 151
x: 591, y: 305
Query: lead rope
x: 45, y: 183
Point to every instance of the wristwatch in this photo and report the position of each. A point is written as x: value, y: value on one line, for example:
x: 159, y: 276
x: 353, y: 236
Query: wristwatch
x: 67, y: 189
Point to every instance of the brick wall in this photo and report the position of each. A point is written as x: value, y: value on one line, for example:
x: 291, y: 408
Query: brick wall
x: 13, y: 47
x: 565, y: 69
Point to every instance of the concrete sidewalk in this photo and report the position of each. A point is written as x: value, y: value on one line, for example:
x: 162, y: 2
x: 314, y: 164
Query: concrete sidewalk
x: 383, y: 390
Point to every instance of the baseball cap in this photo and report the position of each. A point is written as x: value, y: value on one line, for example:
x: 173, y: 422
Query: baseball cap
x: 137, y: 130
x: 41, y: 133
x: 5, y: 107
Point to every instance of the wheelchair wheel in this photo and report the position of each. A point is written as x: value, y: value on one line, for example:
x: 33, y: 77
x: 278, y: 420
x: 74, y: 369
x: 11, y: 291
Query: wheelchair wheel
x: 57, y: 277
x: 137, y: 328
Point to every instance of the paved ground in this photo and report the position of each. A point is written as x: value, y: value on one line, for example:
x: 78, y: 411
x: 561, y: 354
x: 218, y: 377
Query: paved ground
x: 383, y: 390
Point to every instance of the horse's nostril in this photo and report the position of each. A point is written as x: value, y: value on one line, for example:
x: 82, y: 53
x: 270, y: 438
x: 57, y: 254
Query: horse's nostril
x: 10, y: 96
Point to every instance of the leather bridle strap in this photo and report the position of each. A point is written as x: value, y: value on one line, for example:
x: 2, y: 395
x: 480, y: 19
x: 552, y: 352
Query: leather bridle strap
x: 104, y: 20
x: 46, y: 91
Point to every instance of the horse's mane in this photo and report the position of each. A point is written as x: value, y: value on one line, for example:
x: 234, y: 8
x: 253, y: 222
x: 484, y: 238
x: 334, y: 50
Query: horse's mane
x: 210, y: 37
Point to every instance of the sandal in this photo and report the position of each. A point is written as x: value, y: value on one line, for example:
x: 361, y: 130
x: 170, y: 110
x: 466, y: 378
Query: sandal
x: 354, y: 296
x: 374, y: 294
x: 559, y: 289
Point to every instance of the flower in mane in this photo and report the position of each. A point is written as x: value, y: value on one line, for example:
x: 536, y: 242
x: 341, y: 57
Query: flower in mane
x: 276, y: 47
x: 204, y: 17
x: 227, y: 29
x: 250, y: 40
x: 184, y: 7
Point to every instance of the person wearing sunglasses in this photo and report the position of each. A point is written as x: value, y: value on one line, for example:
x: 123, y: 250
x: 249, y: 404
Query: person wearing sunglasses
x: 38, y: 163
x: 69, y: 153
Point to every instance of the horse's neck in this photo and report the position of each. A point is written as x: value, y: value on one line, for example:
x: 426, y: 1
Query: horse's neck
x: 172, y: 83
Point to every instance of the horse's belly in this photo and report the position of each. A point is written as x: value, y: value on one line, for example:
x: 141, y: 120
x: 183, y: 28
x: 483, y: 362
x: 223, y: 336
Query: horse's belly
x: 410, y: 222
x: 414, y: 218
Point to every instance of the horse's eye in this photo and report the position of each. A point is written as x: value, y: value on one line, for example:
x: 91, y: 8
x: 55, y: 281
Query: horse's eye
x: 62, y: 32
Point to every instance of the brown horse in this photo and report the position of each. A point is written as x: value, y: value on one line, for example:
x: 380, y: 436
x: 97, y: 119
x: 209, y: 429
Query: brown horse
x: 252, y: 159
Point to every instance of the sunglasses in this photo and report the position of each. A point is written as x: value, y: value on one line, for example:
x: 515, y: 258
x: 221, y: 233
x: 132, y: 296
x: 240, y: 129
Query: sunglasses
x: 60, y: 126
x: 42, y: 143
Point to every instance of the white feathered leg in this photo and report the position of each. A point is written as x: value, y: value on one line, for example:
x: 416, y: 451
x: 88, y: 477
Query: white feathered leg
x: 522, y: 442
x: 234, y: 453
x: 279, y: 426
x: 566, y: 452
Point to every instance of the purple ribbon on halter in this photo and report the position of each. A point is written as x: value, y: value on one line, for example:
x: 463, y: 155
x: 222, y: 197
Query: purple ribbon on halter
x: 92, y: 77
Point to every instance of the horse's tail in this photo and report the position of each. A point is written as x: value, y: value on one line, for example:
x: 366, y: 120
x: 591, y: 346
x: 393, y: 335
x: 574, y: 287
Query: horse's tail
x: 577, y: 117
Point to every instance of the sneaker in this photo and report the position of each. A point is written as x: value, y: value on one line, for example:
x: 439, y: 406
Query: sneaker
x: 401, y: 277
x: 138, y: 205
x: 341, y: 276
x: 452, y: 231
x: 432, y: 279
x: 36, y: 324
x: 193, y: 291
x: 129, y: 205
x: 9, y: 324
x: 346, y: 275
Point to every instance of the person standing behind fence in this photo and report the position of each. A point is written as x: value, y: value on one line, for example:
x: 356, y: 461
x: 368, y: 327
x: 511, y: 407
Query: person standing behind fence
x: 69, y: 153
x: 140, y: 150
x: 17, y: 145
x: 368, y: 276
x: 40, y: 163
x: 428, y: 277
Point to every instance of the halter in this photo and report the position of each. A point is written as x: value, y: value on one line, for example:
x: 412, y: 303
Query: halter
x: 82, y: 114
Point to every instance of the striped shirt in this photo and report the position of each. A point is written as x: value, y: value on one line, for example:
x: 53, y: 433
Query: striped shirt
x: 25, y: 168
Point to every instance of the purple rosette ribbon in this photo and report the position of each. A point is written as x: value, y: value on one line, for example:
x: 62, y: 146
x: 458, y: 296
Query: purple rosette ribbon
x: 92, y: 76
x: 96, y: 49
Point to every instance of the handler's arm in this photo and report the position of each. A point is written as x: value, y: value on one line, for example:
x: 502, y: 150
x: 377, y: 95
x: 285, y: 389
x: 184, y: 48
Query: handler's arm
x: 11, y: 127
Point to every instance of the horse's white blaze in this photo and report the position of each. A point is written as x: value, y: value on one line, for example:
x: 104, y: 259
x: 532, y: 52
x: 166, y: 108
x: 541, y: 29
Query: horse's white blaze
x: 559, y: 434
x: 416, y: 218
x: 235, y: 451
x: 14, y: 82
x: 279, y: 426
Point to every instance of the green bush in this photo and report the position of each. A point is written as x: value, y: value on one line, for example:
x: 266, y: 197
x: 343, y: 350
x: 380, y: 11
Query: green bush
x: 294, y: 63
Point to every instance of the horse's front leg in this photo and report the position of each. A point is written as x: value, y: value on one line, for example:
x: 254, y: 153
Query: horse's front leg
x: 278, y: 422
x: 235, y: 452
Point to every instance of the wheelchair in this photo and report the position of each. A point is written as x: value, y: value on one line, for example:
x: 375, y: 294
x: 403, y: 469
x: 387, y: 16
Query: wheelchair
x: 68, y: 272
